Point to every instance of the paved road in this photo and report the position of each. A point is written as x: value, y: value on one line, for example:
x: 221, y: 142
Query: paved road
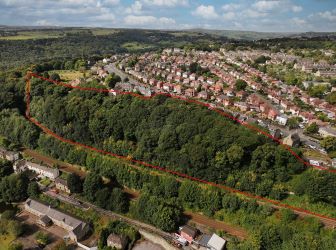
x: 111, y: 68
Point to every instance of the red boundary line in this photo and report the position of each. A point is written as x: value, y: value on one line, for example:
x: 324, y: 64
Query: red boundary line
x: 176, y: 173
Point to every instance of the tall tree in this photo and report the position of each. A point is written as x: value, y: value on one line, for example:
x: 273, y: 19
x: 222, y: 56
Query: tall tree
x: 75, y: 183
x: 92, y: 184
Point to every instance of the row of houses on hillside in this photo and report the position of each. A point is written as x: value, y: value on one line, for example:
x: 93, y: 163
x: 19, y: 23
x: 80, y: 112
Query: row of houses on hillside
x: 23, y: 165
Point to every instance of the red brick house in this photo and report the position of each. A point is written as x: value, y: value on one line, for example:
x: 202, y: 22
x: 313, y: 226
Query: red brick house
x: 242, y: 106
x: 152, y: 81
x: 159, y: 85
x: 178, y: 89
x: 241, y: 94
x: 203, y: 95
x: 272, y: 114
x: 189, y: 92
x: 188, y: 233
x: 227, y: 102
x: 167, y: 87
x: 264, y: 107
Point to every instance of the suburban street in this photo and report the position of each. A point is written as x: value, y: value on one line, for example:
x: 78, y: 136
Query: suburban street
x: 307, y: 140
x: 112, y: 68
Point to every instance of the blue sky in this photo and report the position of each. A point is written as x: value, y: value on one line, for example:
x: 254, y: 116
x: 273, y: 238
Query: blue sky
x: 254, y: 15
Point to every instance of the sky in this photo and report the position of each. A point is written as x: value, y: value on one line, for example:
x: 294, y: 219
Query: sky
x: 251, y: 15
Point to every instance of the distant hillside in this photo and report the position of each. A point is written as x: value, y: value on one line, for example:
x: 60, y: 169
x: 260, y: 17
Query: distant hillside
x: 253, y: 35
x: 20, y: 32
x: 243, y: 35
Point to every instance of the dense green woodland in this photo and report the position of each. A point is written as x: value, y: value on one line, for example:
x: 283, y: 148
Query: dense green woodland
x: 166, y: 132
x: 88, y: 46
x: 163, y: 131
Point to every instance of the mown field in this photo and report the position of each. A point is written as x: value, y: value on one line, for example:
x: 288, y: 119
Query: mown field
x: 68, y: 75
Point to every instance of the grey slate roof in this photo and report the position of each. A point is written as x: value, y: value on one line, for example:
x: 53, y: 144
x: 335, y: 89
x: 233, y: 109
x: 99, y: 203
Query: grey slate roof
x: 56, y: 215
x: 53, y: 171
x: 216, y: 242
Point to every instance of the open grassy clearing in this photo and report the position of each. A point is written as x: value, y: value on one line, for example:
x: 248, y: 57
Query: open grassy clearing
x: 68, y: 75
x: 104, y: 32
x: 5, y: 241
x: 39, y: 34
x: 318, y: 207
x: 45, y: 34
x: 45, y: 182
x: 316, y: 155
x: 136, y: 46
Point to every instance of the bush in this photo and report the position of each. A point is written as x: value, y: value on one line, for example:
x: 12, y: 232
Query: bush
x: 42, y: 238
x: 15, y: 246
x: 287, y: 215
x: 8, y: 214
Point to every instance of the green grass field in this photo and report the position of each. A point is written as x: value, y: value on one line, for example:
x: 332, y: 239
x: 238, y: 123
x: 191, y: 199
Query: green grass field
x: 104, y: 32
x: 68, y: 75
x: 45, y: 34
x: 5, y: 241
x: 38, y: 34
x: 318, y: 207
x: 316, y: 155
x: 132, y: 46
x: 45, y: 182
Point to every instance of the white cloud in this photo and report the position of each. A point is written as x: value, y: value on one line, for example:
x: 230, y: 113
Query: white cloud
x: 266, y: 5
x: 250, y: 13
x: 206, y: 12
x: 152, y: 21
x: 231, y: 7
x: 229, y: 15
x: 298, y: 21
x: 111, y: 2
x: 105, y: 17
x: 296, y: 8
x: 328, y: 15
x: 135, y: 8
x: 276, y: 6
x: 166, y: 3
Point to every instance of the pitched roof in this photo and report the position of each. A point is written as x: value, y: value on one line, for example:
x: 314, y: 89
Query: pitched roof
x: 53, y: 171
x: 54, y: 214
x: 61, y: 181
x: 216, y: 242
x: 189, y: 230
